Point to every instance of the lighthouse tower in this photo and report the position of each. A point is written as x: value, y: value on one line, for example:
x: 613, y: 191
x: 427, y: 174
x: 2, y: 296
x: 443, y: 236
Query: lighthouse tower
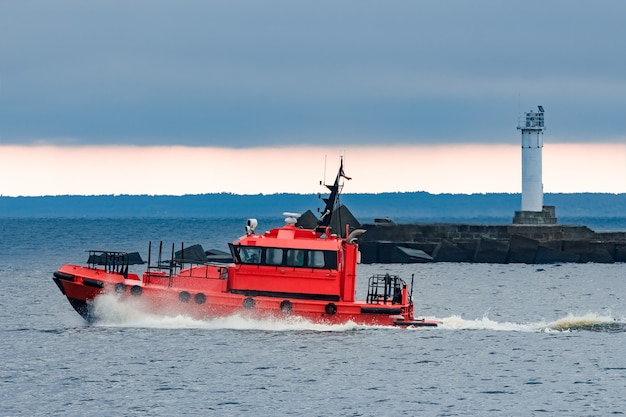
x: 533, y: 211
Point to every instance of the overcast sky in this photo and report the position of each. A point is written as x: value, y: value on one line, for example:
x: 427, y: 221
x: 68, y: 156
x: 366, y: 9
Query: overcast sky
x: 257, y: 73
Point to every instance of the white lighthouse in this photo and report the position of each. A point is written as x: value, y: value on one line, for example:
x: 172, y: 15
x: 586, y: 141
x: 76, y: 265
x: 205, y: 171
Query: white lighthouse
x: 533, y: 211
x: 532, y: 127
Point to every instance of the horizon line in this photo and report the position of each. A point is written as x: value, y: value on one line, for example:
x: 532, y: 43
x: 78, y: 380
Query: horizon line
x: 300, y: 194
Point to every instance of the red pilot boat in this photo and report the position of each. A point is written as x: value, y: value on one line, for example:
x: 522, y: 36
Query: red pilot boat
x: 289, y: 270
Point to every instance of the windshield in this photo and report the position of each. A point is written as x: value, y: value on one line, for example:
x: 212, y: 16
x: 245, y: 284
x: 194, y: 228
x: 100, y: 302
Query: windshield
x: 300, y: 258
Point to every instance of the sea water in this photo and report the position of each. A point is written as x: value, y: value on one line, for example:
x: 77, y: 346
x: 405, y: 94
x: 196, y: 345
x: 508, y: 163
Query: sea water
x: 515, y: 340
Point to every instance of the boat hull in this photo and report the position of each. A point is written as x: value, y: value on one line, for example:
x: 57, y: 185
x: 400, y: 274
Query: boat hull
x: 209, y: 298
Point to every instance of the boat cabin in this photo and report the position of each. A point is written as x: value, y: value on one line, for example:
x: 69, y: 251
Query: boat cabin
x: 294, y: 263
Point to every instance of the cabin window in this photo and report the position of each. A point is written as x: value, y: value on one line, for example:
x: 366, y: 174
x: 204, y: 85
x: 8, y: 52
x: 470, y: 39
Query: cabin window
x: 316, y: 259
x: 295, y: 257
x: 330, y: 259
x: 274, y: 256
x: 250, y: 255
x: 319, y: 259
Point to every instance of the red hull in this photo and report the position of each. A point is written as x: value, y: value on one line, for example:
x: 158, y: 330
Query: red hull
x: 201, y: 298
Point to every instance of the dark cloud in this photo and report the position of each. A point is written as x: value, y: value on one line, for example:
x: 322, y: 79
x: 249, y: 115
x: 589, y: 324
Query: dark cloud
x: 244, y: 73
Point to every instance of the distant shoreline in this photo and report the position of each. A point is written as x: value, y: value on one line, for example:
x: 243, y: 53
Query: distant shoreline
x: 416, y: 206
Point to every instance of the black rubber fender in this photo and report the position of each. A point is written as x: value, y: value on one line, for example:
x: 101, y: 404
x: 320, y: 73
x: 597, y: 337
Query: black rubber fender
x: 199, y: 298
x: 330, y: 309
x: 381, y: 310
x: 93, y: 283
x: 184, y: 296
x: 120, y: 288
x: 286, y: 306
x: 136, y: 290
x: 248, y: 303
x: 63, y: 276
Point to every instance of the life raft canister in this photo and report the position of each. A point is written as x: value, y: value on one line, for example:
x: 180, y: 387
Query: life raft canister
x: 330, y: 309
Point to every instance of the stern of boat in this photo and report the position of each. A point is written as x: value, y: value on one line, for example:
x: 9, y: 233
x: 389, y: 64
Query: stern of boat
x: 388, y: 294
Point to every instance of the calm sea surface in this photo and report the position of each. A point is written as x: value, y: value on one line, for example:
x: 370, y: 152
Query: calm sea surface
x: 516, y: 340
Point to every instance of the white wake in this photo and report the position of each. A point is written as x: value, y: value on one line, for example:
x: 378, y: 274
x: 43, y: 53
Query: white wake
x: 589, y: 321
x: 112, y: 312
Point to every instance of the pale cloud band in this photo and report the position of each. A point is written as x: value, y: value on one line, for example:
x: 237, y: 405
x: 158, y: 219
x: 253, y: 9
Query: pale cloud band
x: 177, y: 170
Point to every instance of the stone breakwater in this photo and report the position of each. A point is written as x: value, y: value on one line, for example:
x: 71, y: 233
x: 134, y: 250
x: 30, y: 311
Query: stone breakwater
x: 387, y: 242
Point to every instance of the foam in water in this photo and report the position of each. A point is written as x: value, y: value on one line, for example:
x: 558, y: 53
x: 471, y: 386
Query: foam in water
x: 485, y: 323
x: 590, y: 321
x: 112, y: 312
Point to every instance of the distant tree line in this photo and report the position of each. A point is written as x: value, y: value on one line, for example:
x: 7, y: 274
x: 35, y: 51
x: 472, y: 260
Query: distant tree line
x: 415, y: 206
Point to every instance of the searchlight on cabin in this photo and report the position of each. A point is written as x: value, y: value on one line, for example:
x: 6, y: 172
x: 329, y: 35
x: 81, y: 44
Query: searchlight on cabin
x: 251, y: 226
x: 291, y: 218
